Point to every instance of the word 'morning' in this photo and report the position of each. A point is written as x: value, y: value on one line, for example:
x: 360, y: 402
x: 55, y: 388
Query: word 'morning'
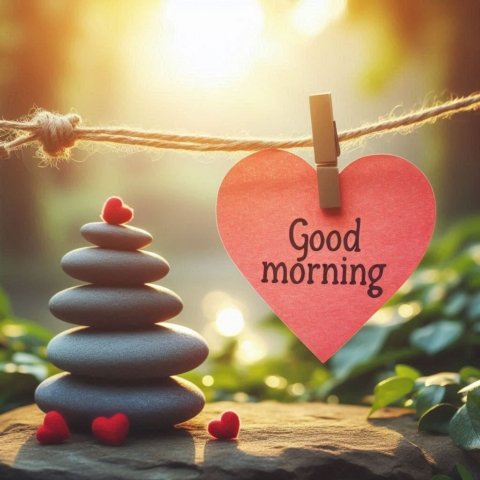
x: 326, y: 273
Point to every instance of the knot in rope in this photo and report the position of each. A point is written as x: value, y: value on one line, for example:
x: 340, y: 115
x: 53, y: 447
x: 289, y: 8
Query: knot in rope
x: 56, y: 132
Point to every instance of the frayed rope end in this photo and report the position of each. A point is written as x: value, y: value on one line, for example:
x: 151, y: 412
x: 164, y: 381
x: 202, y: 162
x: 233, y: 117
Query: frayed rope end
x: 55, y: 132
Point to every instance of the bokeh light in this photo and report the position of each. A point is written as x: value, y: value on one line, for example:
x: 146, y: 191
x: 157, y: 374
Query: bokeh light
x: 251, y: 350
x: 229, y: 322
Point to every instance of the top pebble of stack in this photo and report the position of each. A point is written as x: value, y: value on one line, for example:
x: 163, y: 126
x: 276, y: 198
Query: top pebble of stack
x: 113, y: 234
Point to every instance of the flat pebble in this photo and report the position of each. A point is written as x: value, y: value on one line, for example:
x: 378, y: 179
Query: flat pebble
x: 115, y: 307
x: 157, y: 351
x: 118, y: 237
x: 114, y: 267
x: 149, y: 404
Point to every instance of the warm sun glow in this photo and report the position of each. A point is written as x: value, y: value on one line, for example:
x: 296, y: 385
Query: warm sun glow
x: 212, y: 40
x: 229, y: 322
x: 250, y: 350
x: 310, y: 17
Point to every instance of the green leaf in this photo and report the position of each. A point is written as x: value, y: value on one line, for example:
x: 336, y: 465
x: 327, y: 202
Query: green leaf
x: 471, y: 387
x: 469, y: 374
x: 406, y: 371
x: 389, y: 391
x: 428, y: 397
x: 465, y: 424
x: 464, y: 472
x: 455, y: 304
x: 441, y: 378
x: 5, y: 309
x: 437, y: 418
x: 437, y: 336
x: 473, y: 310
x: 359, y: 350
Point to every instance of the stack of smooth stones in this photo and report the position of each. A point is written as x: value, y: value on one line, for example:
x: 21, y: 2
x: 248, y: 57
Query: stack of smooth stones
x: 121, y: 359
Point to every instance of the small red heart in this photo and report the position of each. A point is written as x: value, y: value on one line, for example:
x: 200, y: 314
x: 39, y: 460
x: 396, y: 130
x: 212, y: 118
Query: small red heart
x: 54, y: 429
x: 116, y: 212
x: 111, y: 431
x: 226, y: 428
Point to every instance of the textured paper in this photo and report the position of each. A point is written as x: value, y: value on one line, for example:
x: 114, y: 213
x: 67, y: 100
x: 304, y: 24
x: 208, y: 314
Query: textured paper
x: 264, y: 193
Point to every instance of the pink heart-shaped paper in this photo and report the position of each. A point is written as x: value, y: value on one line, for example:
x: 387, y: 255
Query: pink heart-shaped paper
x: 268, y: 209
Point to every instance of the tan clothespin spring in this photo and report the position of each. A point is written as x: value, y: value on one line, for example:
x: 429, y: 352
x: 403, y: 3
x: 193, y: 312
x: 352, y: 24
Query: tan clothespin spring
x: 326, y: 149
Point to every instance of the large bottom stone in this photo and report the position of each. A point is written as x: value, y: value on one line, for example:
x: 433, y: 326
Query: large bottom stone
x: 277, y: 442
x: 149, y: 404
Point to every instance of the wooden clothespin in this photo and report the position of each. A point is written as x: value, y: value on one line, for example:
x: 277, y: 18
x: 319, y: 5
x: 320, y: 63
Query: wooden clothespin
x: 326, y: 148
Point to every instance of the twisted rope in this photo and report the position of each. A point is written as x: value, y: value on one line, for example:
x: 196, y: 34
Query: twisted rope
x: 58, y: 133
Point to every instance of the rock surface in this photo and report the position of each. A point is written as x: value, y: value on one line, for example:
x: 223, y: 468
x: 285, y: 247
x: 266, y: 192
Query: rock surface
x: 276, y: 442
x: 151, y: 404
x: 114, y: 267
x: 156, y: 351
x: 115, y: 307
x: 120, y: 237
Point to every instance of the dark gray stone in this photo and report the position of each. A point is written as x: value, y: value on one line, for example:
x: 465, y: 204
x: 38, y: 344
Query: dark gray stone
x: 115, y: 307
x: 118, y: 237
x: 114, y: 267
x: 149, y: 404
x: 277, y: 442
x: 158, y: 351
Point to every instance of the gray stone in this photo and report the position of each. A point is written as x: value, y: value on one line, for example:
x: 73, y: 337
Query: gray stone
x: 115, y: 307
x: 119, y: 237
x: 158, y: 351
x: 114, y: 267
x: 149, y: 404
x: 277, y: 442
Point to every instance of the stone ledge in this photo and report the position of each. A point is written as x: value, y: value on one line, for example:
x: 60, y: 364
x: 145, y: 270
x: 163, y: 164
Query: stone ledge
x: 277, y: 442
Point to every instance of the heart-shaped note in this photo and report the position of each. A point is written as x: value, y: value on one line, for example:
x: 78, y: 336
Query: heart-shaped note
x: 226, y: 428
x: 325, y: 272
x: 54, y: 429
x: 111, y: 430
x: 116, y: 212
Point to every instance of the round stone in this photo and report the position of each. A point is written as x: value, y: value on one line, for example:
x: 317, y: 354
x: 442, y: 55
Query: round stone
x: 114, y: 267
x: 115, y: 307
x: 157, y: 351
x: 118, y: 237
x: 149, y: 404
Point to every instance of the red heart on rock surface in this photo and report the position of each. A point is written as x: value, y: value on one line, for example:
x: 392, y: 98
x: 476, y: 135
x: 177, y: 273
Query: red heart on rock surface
x: 112, y: 430
x: 54, y: 429
x: 325, y: 272
x: 116, y: 212
x: 226, y: 428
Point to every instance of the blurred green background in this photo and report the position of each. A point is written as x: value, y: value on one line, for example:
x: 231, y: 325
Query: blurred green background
x: 240, y: 68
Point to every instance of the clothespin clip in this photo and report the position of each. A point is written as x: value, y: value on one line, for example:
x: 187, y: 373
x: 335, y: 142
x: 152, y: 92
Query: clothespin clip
x: 326, y: 148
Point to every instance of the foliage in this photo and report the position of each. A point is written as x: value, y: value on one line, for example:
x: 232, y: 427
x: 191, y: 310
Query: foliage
x: 23, y: 361
x: 444, y: 403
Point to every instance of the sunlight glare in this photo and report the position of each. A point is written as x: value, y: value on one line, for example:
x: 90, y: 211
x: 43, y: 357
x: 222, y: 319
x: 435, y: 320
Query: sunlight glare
x: 229, y: 322
x: 310, y: 17
x: 212, y: 40
x: 250, y: 350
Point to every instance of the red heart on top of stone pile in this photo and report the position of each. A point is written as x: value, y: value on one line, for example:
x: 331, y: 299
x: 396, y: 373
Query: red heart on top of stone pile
x: 54, y: 429
x: 111, y: 431
x: 226, y: 428
x: 116, y: 212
